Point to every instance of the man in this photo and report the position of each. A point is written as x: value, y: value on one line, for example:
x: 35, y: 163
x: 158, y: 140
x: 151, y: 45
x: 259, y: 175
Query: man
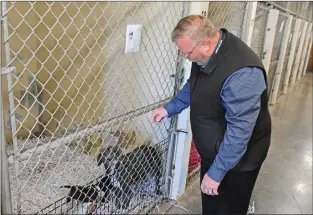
x: 230, y: 120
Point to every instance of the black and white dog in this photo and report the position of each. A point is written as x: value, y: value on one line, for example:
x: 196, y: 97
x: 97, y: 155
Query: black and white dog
x: 90, y: 196
x: 131, y: 169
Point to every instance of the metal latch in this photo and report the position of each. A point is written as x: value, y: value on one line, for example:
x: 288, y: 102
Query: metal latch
x: 177, y: 130
x: 7, y: 70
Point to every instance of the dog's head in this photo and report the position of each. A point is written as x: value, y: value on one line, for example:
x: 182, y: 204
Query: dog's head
x: 109, y: 157
x: 92, y: 207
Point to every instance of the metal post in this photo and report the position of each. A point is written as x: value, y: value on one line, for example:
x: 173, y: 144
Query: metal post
x: 6, y: 199
x: 169, y: 164
x: 249, y: 20
x: 183, y: 143
x: 6, y: 202
x: 297, y: 61
x: 11, y: 105
x: 269, y: 37
x: 15, y: 146
x: 280, y: 63
x: 304, y: 53
x: 182, y: 147
x: 295, y: 35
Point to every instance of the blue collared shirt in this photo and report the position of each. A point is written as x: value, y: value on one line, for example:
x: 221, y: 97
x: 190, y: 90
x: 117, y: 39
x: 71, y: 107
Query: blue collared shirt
x: 241, y: 98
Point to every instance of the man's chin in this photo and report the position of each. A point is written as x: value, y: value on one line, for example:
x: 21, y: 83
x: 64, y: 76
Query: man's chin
x: 194, y: 61
x: 201, y: 63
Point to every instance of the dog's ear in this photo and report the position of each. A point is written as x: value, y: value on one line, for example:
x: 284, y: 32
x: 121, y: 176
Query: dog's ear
x: 117, y: 151
x: 100, y: 158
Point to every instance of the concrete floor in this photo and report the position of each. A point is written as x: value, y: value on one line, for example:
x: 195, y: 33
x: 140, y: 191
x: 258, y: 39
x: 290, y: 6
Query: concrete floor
x: 285, y: 181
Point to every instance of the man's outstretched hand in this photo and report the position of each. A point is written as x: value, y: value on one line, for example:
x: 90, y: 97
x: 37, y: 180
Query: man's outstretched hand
x: 159, y: 114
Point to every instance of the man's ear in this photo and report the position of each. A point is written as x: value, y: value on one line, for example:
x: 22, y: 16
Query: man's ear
x: 206, y: 44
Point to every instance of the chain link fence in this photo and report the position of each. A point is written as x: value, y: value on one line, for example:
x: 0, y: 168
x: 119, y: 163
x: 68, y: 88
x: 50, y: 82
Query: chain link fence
x: 259, y: 29
x: 228, y: 15
x: 300, y: 9
x: 78, y: 109
x: 281, y: 24
x: 271, y: 76
x: 283, y: 75
x: 76, y: 96
x: 290, y: 37
x: 286, y: 60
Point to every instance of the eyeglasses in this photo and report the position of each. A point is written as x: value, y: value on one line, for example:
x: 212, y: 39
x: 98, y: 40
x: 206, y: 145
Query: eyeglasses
x: 189, y: 53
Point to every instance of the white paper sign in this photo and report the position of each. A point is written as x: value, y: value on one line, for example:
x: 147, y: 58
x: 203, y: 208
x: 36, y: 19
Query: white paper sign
x: 133, y: 38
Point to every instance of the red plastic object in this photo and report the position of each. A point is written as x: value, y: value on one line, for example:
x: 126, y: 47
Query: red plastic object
x: 194, y: 159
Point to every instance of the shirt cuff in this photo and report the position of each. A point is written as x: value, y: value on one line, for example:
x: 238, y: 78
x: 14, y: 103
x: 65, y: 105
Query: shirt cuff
x: 216, y: 174
x: 170, y: 108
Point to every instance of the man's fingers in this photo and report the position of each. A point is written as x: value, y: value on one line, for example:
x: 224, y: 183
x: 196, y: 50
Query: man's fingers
x: 159, y: 114
x: 158, y: 118
x: 155, y: 117
x: 204, y: 189
x: 215, y: 192
x: 208, y: 187
x: 209, y: 191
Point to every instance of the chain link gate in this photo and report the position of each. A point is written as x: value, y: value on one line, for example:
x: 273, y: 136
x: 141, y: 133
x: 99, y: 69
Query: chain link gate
x: 74, y: 94
x: 259, y: 29
x: 281, y: 24
x: 287, y: 57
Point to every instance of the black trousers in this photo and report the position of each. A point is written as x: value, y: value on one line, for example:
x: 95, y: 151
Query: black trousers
x: 234, y: 192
